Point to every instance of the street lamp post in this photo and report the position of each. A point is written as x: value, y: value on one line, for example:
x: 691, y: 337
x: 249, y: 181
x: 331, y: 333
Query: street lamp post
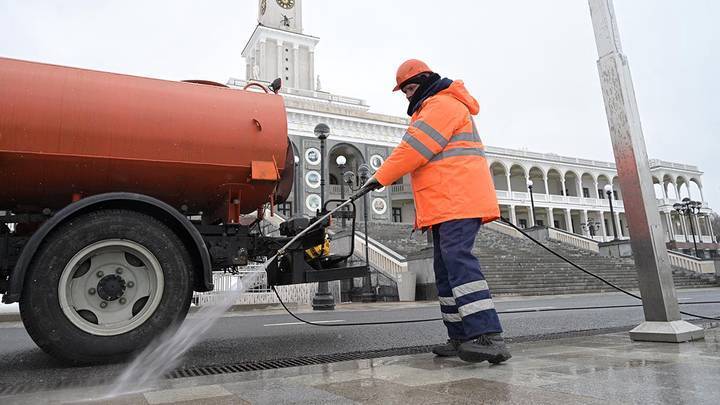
x: 689, y: 208
x: 609, y: 192
x: 532, y: 201
x: 341, y: 161
x: 367, y: 294
x: 323, y: 299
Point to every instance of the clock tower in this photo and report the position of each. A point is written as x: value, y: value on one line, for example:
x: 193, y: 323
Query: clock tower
x: 278, y: 47
x: 281, y: 14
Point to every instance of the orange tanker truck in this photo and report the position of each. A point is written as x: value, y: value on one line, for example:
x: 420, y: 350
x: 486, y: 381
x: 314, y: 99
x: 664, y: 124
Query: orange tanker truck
x: 121, y: 195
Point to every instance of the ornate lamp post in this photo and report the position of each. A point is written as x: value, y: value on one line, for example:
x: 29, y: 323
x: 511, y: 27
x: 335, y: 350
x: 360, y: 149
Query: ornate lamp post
x: 609, y: 192
x: 367, y: 294
x: 341, y: 161
x: 532, y: 201
x: 592, y: 226
x: 323, y: 299
x: 689, y: 208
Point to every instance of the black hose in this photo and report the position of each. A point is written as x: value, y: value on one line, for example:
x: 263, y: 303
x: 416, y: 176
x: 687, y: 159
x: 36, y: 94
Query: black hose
x: 520, y: 311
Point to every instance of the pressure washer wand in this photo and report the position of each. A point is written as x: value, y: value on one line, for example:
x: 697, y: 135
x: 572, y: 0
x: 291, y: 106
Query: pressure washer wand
x: 358, y: 194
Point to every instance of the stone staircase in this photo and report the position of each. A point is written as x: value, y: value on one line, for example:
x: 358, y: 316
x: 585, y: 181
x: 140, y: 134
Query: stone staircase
x: 516, y: 266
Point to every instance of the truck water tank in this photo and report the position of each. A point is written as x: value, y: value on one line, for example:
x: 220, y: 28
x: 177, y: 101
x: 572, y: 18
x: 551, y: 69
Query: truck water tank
x: 66, y: 131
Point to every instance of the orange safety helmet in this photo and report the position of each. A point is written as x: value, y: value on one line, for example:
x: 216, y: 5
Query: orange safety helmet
x: 409, y: 69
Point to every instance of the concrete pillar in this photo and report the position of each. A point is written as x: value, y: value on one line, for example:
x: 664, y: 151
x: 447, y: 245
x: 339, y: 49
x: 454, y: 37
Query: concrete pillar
x: 507, y: 176
x: 595, y: 190
x: 603, y: 228
x: 563, y: 185
x: 551, y: 218
x: 617, y: 224
x: 568, y: 221
x: 547, y: 189
x: 584, y: 219
x: 513, y: 216
x: 660, y: 304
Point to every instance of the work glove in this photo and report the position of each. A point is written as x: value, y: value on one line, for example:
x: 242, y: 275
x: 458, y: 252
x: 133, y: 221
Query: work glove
x: 370, y: 185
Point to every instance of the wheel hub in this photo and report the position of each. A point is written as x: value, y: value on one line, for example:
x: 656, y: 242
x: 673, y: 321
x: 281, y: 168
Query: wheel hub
x: 111, y: 287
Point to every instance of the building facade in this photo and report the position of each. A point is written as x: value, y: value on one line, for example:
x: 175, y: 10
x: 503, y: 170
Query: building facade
x: 567, y: 193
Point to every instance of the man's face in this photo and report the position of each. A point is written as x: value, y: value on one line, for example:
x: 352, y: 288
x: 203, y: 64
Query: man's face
x: 409, y: 90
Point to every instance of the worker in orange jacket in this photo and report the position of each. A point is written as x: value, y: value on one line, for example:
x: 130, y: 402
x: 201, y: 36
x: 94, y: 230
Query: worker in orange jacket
x: 454, y: 195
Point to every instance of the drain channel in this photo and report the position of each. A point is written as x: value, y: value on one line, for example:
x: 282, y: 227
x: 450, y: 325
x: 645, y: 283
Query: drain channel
x: 210, y: 370
x: 294, y: 362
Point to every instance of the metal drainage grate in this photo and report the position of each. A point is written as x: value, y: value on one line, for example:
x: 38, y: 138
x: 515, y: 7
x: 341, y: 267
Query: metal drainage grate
x: 294, y: 362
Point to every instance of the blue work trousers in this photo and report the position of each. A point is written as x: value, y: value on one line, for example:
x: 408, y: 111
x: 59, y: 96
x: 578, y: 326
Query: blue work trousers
x: 465, y: 302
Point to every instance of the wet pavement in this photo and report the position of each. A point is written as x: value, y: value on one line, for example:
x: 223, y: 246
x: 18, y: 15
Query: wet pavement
x: 597, y: 369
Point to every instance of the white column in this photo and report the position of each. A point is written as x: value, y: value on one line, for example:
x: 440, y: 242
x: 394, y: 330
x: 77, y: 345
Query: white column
x: 513, y: 217
x: 509, y: 185
x: 280, y: 57
x: 551, y: 218
x: 547, y: 189
x: 696, y: 221
x: 603, y: 229
x: 709, y: 225
x: 617, y: 224
x: 311, y: 68
x: 568, y: 220
x: 671, y: 231
x: 584, y: 219
x: 684, y: 227
x: 263, y: 61
x: 563, y: 186
x: 595, y: 188
x: 296, y: 66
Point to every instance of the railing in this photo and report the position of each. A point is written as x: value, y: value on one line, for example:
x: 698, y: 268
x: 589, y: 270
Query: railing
x: 595, y: 203
x: 657, y: 162
x: 573, y: 240
x: 384, y: 259
x: 679, y: 260
x: 691, y: 263
x: 401, y: 188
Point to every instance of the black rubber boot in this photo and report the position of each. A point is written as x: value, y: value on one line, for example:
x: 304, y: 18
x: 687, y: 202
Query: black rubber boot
x: 490, y: 347
x: 449, y: 349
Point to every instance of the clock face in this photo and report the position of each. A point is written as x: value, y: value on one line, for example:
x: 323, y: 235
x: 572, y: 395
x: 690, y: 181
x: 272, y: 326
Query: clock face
x: 263, y: 7
x: 286, y: 4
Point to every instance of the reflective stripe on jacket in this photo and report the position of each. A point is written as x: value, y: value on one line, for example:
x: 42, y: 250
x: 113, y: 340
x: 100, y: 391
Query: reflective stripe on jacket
x: 446, y: 159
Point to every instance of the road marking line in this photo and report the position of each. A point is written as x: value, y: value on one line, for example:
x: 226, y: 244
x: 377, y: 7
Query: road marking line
x: 526, y: 309
x: 302, y: 323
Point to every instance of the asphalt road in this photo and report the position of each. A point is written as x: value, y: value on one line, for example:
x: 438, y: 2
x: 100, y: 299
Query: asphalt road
x: 274, y: 334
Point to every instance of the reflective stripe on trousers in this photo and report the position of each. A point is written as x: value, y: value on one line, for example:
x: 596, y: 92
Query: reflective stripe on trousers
x: 465, y: 301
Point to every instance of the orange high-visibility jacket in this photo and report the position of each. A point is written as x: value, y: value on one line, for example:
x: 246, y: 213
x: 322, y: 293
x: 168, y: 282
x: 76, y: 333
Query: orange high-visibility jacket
x: 446, y: 158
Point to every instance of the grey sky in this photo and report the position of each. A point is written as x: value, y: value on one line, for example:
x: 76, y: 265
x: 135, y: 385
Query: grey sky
x: 531, y: 64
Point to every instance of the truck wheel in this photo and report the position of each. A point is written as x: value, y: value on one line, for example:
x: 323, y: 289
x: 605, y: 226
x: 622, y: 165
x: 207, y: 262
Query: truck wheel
x: 104, y: 284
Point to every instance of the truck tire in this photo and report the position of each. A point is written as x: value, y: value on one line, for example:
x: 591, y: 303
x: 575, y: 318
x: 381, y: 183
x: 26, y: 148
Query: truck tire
x: 104, y: 285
